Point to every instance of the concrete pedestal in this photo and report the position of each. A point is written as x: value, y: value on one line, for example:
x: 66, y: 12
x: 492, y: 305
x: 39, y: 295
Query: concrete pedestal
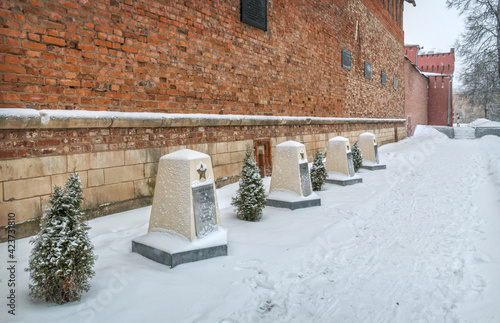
x: 369, y: 149
x: 290, y: 182
x: 342, y: 179
x: 339, y: 163
x: 185, y: 213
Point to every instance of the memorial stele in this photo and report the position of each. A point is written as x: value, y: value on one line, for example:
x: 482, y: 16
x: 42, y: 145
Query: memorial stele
x: 185, y: 221
x: 369, y: 149
x: 339, y: 163
x: 290, y: 181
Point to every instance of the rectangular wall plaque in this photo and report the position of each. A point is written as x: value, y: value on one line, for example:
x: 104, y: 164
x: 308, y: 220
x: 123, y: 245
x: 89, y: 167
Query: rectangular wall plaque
x: 383, y: 78
x: 254, y: 12
x: 368, y: 70
x: 346, y: 59
x: 305, y: 180
x: 205, y: 213
x: 350, y: 164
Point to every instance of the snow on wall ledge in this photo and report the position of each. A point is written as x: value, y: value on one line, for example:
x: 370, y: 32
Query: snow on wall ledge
x: 55, y: 119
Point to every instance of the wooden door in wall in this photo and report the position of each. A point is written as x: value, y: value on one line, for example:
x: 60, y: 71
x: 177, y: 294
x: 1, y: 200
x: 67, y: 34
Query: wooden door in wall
x: 263, y: 156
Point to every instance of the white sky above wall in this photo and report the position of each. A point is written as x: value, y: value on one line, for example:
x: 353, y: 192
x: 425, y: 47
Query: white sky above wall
x: 432, y: 25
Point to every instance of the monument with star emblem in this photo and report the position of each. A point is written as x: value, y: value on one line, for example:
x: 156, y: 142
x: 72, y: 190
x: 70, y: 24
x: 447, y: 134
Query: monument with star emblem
x: 184, y: 225
x: 290, y: 180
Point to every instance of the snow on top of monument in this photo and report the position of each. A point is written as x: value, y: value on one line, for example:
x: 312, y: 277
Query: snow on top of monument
x: 186, y: 154
x: 339, y: 138
x: 290, y: 143
x: 367, y: 135
x: 484, y: 123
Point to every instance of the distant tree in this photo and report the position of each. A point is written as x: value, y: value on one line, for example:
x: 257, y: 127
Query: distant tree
x: 318, y: 172
x: 250, y: 198
x: 479, y: 49
x: 357, y: 157
x: 61, y: 261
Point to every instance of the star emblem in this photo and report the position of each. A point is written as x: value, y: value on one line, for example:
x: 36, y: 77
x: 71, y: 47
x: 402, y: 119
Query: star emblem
x: 202, y: 169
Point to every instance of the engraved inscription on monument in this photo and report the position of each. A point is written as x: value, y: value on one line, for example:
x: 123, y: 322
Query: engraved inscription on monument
x: 350, y: 164
x: 205, y: 213
x: 254, y: 12
x: 305, y: 181
x: 376, y: 153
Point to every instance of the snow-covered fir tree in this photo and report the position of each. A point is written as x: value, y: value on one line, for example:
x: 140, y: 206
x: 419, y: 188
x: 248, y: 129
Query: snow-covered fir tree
x: 62, y: 259
x: 250, y: 198
x: 357, y: 157
x: 318, y: 172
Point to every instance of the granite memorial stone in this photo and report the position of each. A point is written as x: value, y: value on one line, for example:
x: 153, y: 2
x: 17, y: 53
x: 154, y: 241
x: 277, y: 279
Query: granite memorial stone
x: 368, y: 145
x: 184, y: 225
x: 339, y: 163
x: 291, y: 182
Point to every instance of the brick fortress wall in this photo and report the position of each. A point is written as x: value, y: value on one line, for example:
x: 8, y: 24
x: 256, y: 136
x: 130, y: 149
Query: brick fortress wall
x: 416, y: 98
x: 197, y: 56
x: 183, y: 57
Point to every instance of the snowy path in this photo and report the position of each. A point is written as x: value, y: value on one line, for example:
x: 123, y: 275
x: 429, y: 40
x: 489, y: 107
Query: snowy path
x: 417, y: 242
x: 409, y: 255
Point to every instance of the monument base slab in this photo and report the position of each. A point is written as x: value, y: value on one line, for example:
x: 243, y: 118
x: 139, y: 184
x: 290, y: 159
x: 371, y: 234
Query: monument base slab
x: 292, y: 201
x: 343, y: 180
x: 373, y: 166
x: 171, y: 250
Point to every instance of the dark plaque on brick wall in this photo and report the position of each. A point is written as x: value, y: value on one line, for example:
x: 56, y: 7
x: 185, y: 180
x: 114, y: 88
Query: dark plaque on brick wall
x: 368, y: 70
x: 346, y: 59
x: 383, y: 78
x: 305, y: 181
x: 254, y: 12
x: 350, y: 164
x: 376, y: 153
x: 205, y: 213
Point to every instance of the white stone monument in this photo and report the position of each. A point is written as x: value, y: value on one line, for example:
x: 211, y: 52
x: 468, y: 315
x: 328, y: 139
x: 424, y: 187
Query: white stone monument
x: 290, y: 181
x: 339, y: 163
x: 369, y: 149
x: 184, y: 225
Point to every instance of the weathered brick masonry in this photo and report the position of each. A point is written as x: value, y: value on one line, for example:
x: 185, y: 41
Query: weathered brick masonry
x: 416, y: 98
x: 197, y: 56
x: 183, y: 57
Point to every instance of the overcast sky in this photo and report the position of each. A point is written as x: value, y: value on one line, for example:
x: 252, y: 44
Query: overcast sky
x: 432, y: 25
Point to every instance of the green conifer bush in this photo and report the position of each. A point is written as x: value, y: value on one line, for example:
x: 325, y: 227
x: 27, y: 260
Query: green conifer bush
x: 318, y: 172
x: 250, y: 198
x: 357, y: 157
x: 62, y: 259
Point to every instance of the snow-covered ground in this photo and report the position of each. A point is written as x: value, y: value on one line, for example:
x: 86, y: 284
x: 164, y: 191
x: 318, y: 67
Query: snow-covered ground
x: 417, y: 242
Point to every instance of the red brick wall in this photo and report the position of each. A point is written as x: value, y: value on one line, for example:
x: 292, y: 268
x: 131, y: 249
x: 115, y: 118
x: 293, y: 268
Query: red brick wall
x: 370, y: 42
x: 411, y: 52
x: 416, y: 98
x: 197, y: 56
x: 439, y: 93
x: 443, y: 63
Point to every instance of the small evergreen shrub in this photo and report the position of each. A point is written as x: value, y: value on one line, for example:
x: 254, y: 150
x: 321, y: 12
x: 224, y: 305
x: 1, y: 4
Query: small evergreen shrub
x: 62, y: 258
x: 250, y: 198
x: 357, y: 157
x: 318, y: 172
